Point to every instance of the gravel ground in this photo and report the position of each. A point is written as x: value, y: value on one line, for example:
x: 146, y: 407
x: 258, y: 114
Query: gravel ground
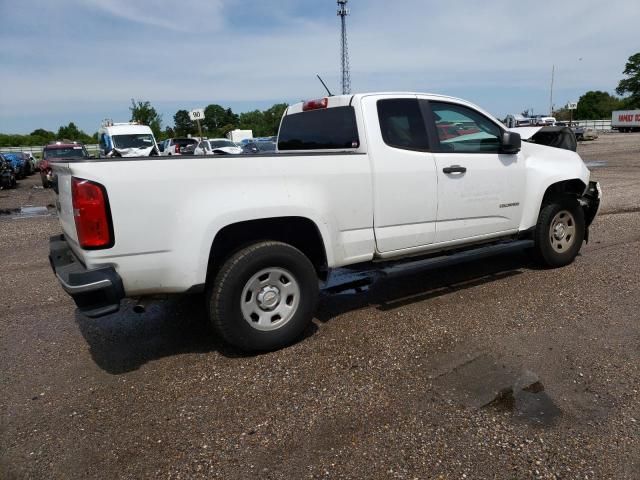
x: 488, y: 369
x: 28, y: 193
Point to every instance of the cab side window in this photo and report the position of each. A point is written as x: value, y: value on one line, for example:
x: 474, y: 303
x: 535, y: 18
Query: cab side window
x: 402, y: 125
x: 463, y: 130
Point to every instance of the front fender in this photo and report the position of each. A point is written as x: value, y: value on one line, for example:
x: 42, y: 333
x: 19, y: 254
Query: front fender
x: 547, y: 166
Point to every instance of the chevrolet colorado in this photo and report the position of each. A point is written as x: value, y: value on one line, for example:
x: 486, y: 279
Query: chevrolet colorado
x: 356, y: 178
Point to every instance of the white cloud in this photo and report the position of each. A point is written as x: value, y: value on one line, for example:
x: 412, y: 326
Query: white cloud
x: 182, y: 16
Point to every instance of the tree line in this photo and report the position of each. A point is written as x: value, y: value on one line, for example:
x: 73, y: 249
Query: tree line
x: 217, y: 122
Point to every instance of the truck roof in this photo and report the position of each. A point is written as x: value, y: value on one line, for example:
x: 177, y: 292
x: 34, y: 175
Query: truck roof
x: 126, y: 129
x: 346, y: 100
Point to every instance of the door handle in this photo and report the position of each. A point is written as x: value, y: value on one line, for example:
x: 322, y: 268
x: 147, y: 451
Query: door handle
x: 454, y: 169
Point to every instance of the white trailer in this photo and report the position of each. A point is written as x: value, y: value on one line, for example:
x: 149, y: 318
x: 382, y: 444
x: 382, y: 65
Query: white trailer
x: 237, y: 136
x: 626, y: 120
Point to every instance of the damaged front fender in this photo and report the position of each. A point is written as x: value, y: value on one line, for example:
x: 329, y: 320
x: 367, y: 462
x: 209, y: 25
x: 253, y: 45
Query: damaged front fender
x: 590, y: 202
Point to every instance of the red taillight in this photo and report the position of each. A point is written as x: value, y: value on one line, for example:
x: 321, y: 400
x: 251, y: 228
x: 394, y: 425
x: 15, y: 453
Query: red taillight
x: 315, y: 104
x: 91, y: 213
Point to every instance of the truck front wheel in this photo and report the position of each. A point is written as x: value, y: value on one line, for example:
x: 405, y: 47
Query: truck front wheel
x: 263, y: 296
x: 559, y: 232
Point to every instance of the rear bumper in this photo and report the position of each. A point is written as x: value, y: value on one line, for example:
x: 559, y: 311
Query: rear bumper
x: 96, y: 292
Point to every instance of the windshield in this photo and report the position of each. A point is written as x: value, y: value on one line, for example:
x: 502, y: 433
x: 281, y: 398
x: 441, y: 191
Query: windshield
x: 221, y: 143
x: 136, y: 140
x: 67, y: 152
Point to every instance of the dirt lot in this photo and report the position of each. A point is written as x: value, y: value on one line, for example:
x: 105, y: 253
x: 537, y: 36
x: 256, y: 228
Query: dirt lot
x: 488, y: 369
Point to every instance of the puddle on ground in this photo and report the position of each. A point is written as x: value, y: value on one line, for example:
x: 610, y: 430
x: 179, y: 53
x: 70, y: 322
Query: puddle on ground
x: 27, y: 211
x: 483, y: 383
x: 596, y: 163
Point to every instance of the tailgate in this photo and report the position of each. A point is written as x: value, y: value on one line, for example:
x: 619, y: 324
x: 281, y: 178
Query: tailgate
x: 64, y: 204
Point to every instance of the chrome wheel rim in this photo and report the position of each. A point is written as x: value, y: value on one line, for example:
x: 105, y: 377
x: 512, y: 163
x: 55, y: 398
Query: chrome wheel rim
x: 562, y: 231
x: 270, y: 299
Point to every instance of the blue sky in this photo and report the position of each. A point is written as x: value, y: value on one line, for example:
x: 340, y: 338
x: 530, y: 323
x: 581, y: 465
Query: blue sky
x: 83, y: 60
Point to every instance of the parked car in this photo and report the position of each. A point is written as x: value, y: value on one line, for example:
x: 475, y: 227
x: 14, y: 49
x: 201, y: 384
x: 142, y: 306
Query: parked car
x: 363, y: 179
x: 28, y: 162
x: 517, y: 120
x: 585, y: 133
x: 546, y: 121
x: 20, y: 165
x: 179, y: 146
x: 32, y: 160
x: 214, y: 146
x: 7, y: 174
x: 59, y: 151
x: 259, y: 147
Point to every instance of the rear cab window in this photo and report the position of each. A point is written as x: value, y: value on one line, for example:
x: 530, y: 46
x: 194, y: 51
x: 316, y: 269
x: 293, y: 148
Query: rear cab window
x: 332, y: 128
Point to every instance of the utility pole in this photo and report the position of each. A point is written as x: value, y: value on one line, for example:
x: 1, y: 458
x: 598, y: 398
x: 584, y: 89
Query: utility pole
x: 343, y: 11
x: 553, y: 72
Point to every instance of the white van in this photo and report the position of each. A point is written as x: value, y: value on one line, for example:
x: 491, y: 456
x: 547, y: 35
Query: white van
x: 126, y: 140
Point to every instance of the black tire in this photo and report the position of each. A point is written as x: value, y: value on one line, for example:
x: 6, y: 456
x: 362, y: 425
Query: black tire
x: 233, y: 286
x: 559, y: 247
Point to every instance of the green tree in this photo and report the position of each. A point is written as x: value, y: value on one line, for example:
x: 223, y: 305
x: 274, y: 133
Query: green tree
x: 144, y: 113
x: 596, y: 105
x: 218, y: 120
x: 214, y: 119
x: 182, y: 123
x: 631, y: 84
x: 70, y: 132
x: 41, y: 132
x: 272, y: 117
x: 252, y: 121
x: 168, y: 133
x: 231, y: 118
x: 562, y: 114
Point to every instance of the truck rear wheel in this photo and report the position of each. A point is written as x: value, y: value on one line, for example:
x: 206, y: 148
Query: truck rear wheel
x: 559, y: 232
x: 263, y: 296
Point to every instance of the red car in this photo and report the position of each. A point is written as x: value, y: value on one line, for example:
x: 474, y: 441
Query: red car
x: 57, y: 151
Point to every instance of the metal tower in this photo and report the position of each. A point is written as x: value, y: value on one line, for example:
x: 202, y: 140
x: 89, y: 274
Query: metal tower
x: 343, y: 11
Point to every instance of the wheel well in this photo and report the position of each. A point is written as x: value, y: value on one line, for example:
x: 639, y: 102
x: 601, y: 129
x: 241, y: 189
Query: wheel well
x: 299, y: 232
x: 574, y: 186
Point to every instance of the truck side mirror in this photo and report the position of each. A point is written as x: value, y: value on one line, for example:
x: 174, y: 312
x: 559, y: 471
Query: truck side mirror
x: 511, y: 143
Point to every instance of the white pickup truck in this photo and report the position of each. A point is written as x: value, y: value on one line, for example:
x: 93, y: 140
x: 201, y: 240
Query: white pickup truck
x: 359, y: 178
